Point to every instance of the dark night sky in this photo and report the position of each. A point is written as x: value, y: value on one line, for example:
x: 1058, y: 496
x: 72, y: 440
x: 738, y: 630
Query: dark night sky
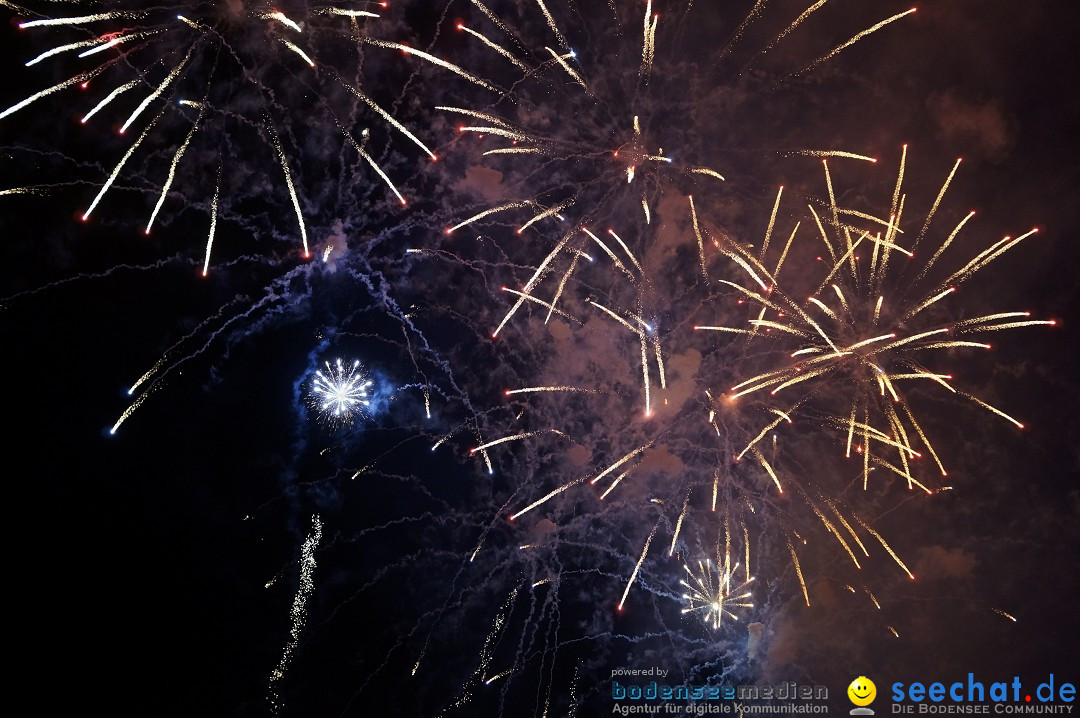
x: 153, y: 572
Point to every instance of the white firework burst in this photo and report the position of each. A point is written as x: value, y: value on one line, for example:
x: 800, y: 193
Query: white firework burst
x: 341, y: 393
x: 715, y: 591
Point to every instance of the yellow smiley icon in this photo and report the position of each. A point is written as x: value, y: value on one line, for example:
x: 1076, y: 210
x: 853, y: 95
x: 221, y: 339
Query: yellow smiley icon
x: 862, y: 691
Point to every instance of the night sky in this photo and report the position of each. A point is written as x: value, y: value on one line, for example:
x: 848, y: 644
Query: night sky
x: 229, y: 552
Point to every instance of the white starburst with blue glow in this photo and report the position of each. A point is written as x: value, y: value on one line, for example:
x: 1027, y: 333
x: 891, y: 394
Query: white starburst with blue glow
x: 341, y: 393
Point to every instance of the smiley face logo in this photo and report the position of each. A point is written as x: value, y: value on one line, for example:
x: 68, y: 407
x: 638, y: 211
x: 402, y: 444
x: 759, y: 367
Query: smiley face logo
x: 862, y: 691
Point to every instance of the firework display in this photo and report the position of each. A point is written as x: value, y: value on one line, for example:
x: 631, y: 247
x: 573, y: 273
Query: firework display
x: 880, y: 333
x: 341, y: 393
x: 201, y: 82
x: 538, y: 357
x: 585, y: 132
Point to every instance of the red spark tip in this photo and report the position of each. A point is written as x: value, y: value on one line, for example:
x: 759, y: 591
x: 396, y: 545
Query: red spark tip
x: 146, y: 232
x: 204, y: 273
x: 84, y: 85
x: 511, y: 517
x: 520, y: 230
x: 619, y: 608
x: 1020, y: 425
x: 494, y: 334
x: 472, y: 451
x: 460, y: 26
x: 434, y: 158
x: 461, y: 128
x: 403, y: 202
x: 448, y: 230
x: 120, y: 131
x: 507, y: 392
x: 82, y: 121
x: 1053, y: 322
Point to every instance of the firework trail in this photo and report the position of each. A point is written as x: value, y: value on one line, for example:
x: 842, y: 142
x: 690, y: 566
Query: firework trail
x: 299, y: 611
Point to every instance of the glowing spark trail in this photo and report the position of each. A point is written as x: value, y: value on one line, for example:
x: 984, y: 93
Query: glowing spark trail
x: 637, y: 567
x: 430, y: 58
x: 303, y: 55
x: 545, y: 498
x: 485, y: 213
x: 496, y: 47
x: 515, y: 437
x: 173, y: 74
x: 798, y: 572
x: 77, y: 80
x: 116, y: 170
x: 292, y: 188
x: 108, y: 98
x: 79, y: 20
x: 213, y: 224
x: 855, y: 39
x: 299, y: 609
